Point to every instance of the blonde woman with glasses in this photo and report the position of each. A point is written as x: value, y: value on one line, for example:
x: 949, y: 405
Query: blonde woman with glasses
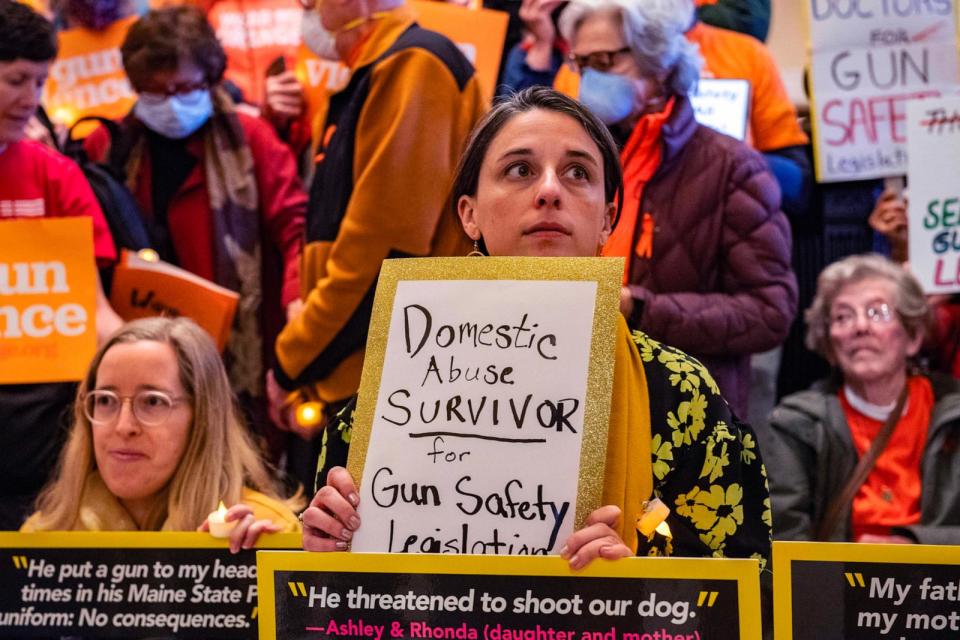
x: 157, y: 443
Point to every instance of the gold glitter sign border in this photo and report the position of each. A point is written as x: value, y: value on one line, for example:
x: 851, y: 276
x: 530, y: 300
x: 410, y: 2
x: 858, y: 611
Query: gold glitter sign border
x: 605, y: 272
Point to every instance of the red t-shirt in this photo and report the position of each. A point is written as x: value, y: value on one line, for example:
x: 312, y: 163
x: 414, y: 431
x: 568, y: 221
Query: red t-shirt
x: 890, y: 496
x: 38, y: 182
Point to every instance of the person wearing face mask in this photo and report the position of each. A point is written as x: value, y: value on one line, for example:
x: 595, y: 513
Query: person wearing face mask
x: 218, y: 192
x: 388, y: 150
x: 707, y: 247
x: 87, y: 77
x: 772, y: 128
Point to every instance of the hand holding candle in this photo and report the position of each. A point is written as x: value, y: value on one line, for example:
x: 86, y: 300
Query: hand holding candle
x: 239, y: 525
x: 217, y: 522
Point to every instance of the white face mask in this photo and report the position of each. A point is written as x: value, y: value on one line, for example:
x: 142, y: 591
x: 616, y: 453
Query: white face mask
x: 316, y: 37
x: 174, y: 116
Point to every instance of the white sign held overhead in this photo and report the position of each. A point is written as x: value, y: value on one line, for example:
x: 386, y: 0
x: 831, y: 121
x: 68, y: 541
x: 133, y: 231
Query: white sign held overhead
x: 934, y: 204
x: 873, y: 23
x: 870, y: 58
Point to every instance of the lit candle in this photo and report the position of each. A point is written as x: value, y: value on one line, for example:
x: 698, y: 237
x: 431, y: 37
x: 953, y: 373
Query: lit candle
x: 64, y: 116
x: 309, y: 415
x: 149, y: 255
x: 219, y: 527
x: 654, y: 514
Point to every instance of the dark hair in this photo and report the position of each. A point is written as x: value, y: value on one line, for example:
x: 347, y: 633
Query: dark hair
x: 25, y: 34
x: 163, y: 39
x: 468, y: 171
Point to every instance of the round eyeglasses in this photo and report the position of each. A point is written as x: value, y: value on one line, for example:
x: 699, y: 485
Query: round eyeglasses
x: 845, y: 318
x: 150, y: 408
x: 598, y: 60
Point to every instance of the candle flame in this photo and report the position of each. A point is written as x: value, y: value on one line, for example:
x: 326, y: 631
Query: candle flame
x: 222, y: 510
x: 64, y: 115
x: 308, y: 414
x: 149, y: 255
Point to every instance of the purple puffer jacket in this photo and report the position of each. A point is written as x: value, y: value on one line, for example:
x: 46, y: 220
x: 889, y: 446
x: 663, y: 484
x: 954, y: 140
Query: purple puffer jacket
x: 719, y: 284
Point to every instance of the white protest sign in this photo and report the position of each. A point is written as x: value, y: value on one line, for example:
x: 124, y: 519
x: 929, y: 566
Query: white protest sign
x: 934, y: 207
x: 723, y: 105
x: 870, y: 23
x: 483, y: 380
x: 870, y: 57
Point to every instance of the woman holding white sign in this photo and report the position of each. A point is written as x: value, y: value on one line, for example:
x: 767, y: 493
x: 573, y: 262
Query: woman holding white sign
x: 165, y: 460
x: 540, y: 177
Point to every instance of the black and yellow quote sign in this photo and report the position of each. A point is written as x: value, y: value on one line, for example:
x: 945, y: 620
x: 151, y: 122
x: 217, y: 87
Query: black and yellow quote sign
x: 128, y: 585
x: 364, y: 596
x: 864, y: 592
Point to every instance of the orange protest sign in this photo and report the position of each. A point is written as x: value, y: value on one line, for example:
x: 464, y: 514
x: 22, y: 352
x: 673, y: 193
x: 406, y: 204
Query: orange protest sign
x: 479, y: 34
x: 254, y: 33
x: 144, y: 287
x: 87, y: 78
x: 47, y: 292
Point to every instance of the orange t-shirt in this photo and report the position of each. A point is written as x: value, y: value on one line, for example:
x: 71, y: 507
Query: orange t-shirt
x: 891, y: 494
x: 254, y: 33
x: 730, y: 55
x: 87, y: 78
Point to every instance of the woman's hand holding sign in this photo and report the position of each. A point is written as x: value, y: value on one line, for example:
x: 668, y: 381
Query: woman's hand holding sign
x: 331, y: 519
x: 597, y: 539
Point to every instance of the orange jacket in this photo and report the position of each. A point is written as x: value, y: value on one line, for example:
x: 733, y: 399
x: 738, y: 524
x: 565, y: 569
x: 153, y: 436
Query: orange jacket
x: 392, y: 142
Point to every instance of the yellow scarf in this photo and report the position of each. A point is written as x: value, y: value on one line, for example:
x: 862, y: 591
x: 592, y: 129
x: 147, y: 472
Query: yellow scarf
x: 628, y: 482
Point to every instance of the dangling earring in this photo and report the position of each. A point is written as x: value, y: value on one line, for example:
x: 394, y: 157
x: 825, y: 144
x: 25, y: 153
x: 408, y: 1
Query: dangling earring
x: 476, y: 250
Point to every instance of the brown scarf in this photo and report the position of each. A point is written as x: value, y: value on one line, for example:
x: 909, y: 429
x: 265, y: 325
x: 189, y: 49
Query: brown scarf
x: 232, y: 186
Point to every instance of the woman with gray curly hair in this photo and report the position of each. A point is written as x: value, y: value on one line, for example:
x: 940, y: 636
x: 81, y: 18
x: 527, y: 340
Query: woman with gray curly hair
x: 707, y: 248
x: 871, y: 455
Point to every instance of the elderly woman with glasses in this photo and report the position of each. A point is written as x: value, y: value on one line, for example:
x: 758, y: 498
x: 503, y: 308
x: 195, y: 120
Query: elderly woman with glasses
x: 870, y: 455
x: 707, y: 248
x: 157, y: 444
x: 218, y: 193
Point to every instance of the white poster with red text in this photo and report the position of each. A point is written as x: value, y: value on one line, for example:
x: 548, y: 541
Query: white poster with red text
x: 870, y: 58
x: 934, y: 200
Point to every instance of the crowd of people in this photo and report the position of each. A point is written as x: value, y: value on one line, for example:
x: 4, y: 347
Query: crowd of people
x: 293, y: 198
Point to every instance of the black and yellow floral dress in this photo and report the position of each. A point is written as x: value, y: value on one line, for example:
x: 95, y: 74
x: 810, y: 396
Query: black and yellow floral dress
x: 706, y: 463
x: 697, y: 457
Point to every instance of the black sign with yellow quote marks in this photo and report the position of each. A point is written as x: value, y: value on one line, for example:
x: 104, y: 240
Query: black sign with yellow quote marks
x: 128, y: 585
x: 863, y: 592
x: 362, y: 596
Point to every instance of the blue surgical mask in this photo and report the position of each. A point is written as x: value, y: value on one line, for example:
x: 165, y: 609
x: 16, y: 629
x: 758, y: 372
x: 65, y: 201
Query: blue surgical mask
x: 610, y: 96
x: 174, y: 116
